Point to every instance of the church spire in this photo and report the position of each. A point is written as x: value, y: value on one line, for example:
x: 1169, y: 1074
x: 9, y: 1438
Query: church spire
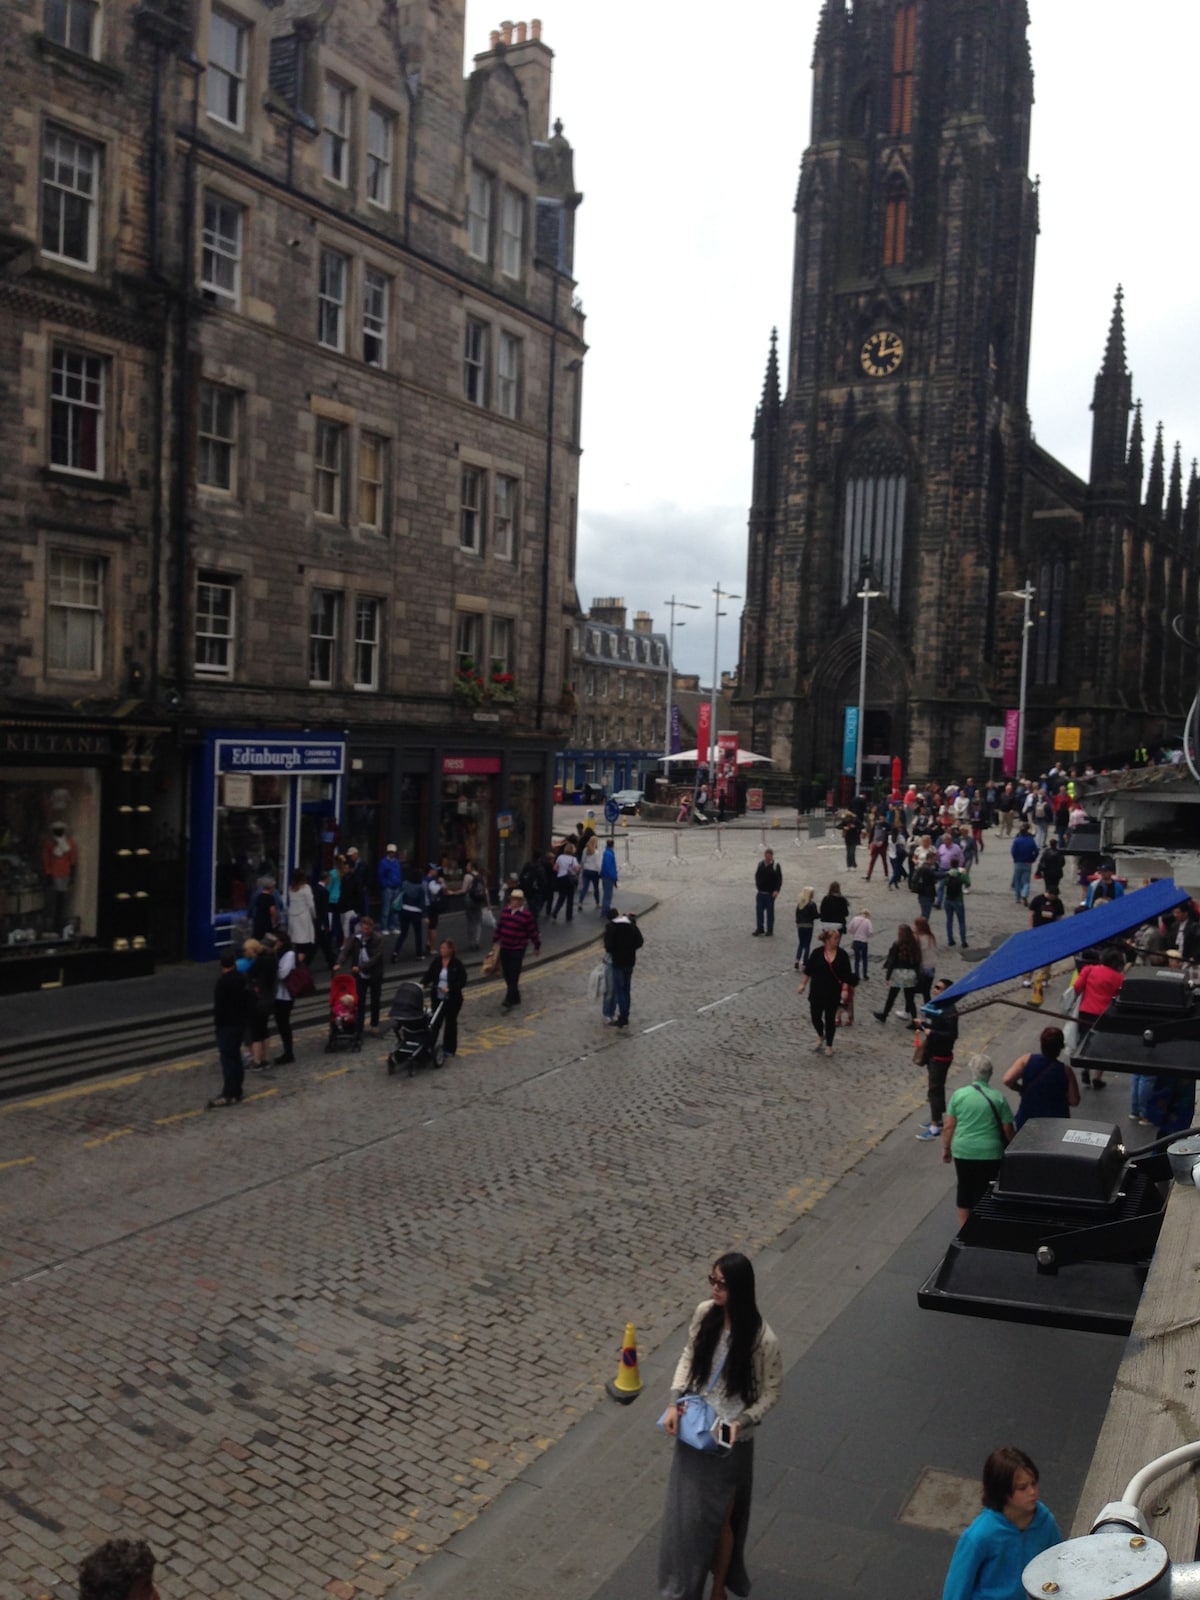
x: 829, y: 72
x: 1135, y: 466
x: 1191, y: 514
x: 770, y: 394
x: 1175, y: 493
x: 1111, y: 402
x: 1154, y: 485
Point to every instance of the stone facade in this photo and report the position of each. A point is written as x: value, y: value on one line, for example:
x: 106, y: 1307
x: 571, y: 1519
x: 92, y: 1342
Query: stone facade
x: 620, y: 684
x: 298, y: 372
x: 897, y: 442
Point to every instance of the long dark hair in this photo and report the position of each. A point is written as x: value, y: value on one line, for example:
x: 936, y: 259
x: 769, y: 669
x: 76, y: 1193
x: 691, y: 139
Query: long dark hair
x: 745, y: 1320
x: 907, y: 948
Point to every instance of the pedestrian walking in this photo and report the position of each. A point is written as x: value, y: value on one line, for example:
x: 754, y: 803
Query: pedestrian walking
x: 927, y: 941
x: 608, y: 876
x: 826, y: 973
x: 390, y: 873
x: 1097, y: 984
x: 925, y: 882
x: 898, y: 855
x: 566, y: 871
x: 589, y: 871
x: 852, y: 835
x: 1024, y: 852
x: 434, y: 885
x: 768, y: 881
x: 806, y: 916
x: 285, y: 957
x: 732, y: 1363
x: 412, y: 917
x: 860, y: 930
x: 834, y: 910
x: 321, y: 919
x: 121, y: 1569
x: 231, y: 1015
x: 622, y: 941
x: 446, y: 978
x: 977, y: 1126
x: 516, y: 929
x: 902, y: 970
x: 1012, y: 1528
x: 954, y: 886
x: 934, y: 1050
x: 301, y: 916
x: 475, y: 901
x: 260, y: 980
x: 363, y: 954
x: 878, y: 848
x: 1046, y: 1085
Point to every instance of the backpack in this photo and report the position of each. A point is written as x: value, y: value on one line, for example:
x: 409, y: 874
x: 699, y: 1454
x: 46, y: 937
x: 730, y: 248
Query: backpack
x: 478, y: 894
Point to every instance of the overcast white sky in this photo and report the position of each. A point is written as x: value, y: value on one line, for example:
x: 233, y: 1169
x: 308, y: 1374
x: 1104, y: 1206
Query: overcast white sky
x: 689, y: 119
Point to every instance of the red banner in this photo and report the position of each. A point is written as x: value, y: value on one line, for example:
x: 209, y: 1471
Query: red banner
x: 704, y: 732
x: 727, y: 754
x: 467, y: 766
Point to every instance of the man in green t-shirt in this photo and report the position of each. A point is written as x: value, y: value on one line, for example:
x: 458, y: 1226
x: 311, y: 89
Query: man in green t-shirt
x: 977, y: 1126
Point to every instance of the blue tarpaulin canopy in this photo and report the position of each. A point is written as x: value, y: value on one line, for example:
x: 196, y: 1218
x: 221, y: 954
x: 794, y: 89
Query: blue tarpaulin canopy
x: 1040, y: 947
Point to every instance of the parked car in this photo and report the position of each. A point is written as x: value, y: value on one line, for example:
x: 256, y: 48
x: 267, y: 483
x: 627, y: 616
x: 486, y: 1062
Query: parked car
x: 629, y: 800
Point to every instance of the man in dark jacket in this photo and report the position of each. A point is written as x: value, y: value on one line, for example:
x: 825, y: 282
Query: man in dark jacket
x: 516, y: 927
x: 622, y: 941
x: 941, y: 1035
x: 231, y: 1013
x: 447, y: 978
x: 1052, y: 866
x: 363, y: 953
x: 768, y: 881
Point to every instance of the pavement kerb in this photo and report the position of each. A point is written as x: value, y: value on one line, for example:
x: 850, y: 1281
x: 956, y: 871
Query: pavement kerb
x: 569, y: 1520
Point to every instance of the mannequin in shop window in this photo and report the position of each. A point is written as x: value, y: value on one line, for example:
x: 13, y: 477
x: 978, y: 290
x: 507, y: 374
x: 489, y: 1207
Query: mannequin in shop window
x: 60, y: 863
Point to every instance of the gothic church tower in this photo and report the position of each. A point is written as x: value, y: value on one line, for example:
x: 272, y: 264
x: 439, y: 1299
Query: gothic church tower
x: 900, y: 445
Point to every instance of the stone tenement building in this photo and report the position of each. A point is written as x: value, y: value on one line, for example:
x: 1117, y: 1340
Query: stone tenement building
x: 901, y: 445
x: 292, y: 434
x: 620, y: 680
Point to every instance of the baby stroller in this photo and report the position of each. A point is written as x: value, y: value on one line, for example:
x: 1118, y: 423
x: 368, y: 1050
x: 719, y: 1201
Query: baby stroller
x: 417, y: 1027
x: 343, y: 1011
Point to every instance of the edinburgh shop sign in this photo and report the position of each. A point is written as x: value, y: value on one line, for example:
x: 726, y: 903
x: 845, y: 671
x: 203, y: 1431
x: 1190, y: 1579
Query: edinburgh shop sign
x: 280, y: 756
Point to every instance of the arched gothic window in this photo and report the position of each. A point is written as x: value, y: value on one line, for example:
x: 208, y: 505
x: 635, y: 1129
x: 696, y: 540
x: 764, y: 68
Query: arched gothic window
x: 873, y: 504
x: 1050, y: 606
x: 895, y: 221
x: 904, y: 40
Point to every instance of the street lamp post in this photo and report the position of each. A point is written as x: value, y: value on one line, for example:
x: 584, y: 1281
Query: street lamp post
x: 866, y: 594
x: 671, y: 605
x: 1026, y: 594
x: 709, y: 754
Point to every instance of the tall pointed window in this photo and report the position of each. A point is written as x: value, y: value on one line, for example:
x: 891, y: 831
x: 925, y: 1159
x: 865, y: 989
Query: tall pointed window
x: 873, y: 505
x: 895, y: 221
x: 1048, y: 626
x: 903, y: 52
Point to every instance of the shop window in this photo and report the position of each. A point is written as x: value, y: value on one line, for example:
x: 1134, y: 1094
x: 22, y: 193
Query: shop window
x: 479, y: 215
x: 221, y: 251
x: 75, y: 613
x: 508, y: 376
x: 512, y: 233
x: 524, y: 800
x: 329, y: 465
x: 216, y: 601
x: 49, y: 863
x: 504, y: 517
x: 331, y: 299
x: 70, y: 196
x: 470, y: 526
x: 466, y: 824
x: 216, y: 437
x: 324, y: 617
x: 252, y: 824
x: 372, y: 481
x: 381, y: 127
x: 475, y: 362
x: 77, y: 411
x: 75, y: 24
x: 375, y: 317
x: 335, y: 142
x: 225, y: 80
x: 368, y: 629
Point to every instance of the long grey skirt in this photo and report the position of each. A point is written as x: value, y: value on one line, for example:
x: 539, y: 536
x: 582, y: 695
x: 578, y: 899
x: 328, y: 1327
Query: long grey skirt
x: 700, y: 1488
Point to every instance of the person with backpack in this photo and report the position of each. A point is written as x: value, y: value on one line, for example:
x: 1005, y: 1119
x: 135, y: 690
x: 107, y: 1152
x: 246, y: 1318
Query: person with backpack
x: 475, y: 901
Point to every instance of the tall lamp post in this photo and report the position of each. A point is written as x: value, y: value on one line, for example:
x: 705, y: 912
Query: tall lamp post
x: 1026, y: 594
x: 672, y: 605
x: 710, y: 753
x: 866, y: 594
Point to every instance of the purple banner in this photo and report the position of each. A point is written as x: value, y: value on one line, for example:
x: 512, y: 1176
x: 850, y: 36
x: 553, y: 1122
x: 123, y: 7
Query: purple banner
x: 1012, y: 728
x: 674, y: 750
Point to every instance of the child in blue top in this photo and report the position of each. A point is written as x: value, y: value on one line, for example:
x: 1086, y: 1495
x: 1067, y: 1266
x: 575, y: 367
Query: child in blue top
x: 1012, y: 1528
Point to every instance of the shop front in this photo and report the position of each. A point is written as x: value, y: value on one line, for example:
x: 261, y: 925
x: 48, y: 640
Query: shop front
x: 263, y: 806
x: 78, y: 895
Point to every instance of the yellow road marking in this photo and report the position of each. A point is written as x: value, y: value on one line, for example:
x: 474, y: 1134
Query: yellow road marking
x: 79, y: 1091
x: 107, y: 1138
x: 21, y: 1161
x: 263, y: 1094
x: 179, y: 1116
x: 336, y: 1073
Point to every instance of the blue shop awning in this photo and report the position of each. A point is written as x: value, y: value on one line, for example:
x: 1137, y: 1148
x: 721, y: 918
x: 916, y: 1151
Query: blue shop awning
x: 1040, y: 947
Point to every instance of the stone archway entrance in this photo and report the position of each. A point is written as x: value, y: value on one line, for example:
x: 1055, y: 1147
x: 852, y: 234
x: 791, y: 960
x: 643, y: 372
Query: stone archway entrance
x: 885, y: 723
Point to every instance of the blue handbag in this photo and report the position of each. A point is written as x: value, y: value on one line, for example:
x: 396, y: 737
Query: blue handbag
x: 697, y: 1419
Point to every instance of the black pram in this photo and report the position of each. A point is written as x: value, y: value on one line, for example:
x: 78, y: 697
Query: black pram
x: 417, y: 1027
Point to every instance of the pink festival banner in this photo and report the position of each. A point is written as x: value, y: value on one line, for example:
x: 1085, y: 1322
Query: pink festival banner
x: 1012, y: 727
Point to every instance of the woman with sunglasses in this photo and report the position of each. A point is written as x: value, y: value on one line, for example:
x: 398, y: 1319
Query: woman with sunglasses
x: 732, y: 1359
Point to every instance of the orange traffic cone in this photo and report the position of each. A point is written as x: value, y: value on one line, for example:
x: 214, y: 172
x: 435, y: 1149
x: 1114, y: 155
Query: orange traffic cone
x: 627, y: 1384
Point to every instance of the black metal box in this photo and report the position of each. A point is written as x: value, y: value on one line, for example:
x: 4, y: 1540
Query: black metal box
x: 1058, y: 1158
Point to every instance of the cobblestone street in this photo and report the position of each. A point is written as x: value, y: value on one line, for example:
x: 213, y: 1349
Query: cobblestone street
x: 300, y: 1344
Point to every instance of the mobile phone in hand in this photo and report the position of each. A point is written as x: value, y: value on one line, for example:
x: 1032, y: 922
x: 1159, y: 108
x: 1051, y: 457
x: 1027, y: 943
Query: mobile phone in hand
x: 724, y: 1435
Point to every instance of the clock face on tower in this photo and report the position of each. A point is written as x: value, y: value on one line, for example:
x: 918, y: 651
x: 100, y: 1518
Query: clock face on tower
x: 882, y: 353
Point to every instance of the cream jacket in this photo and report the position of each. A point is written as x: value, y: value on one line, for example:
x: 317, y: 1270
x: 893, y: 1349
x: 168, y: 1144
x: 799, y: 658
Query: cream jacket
x: 766, y: 1363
